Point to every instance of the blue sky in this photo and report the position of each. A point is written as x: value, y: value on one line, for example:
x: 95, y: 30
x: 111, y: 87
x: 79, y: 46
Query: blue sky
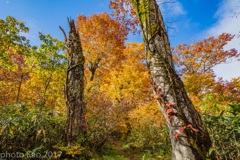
x: 191, y: 20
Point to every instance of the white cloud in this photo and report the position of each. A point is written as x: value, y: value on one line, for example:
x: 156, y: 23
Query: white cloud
x: 228, y: 21
x: 171, y: 8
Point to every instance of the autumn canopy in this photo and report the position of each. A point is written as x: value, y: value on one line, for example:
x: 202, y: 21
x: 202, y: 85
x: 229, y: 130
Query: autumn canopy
x: 97, y: 95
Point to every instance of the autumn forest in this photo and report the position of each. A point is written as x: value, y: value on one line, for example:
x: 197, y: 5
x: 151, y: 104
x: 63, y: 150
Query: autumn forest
x: 97, y: 96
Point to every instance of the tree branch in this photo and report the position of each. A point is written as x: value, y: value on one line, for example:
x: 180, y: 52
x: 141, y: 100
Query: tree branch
x: 64, y: 33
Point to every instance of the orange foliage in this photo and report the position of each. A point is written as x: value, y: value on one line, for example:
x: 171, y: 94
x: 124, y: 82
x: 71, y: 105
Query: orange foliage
x: 102, y: 41
x: 124, y: 14
x: 227, y: 91
x: 13, y: 79
x: 202, y: 56
x: 196, y: 62
x: 115, y: 95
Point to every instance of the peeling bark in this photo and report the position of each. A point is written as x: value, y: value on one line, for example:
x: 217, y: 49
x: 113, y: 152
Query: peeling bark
x: 189, y: 138
x: 74, y: 86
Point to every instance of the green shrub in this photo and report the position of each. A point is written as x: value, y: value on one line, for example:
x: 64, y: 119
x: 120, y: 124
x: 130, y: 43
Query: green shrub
x: 225, y: 133
x: 30, y: 130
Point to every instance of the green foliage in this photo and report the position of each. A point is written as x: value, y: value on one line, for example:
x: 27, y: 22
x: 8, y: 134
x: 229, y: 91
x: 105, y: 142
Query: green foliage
x: 11, y: 40
x: 48, y: 72
x: 210, y: 105
x: 48, y: 52
x: 33, y: 75
x: 73, y: 151
x: 146, y: 134
x: 224, y: 130
x: 111, y: 154
x: 37, y: 130
x: 30, y: 130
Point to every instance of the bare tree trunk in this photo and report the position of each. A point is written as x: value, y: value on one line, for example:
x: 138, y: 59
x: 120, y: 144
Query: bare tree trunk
x: 189, y: 138
x: 46, y: 88
x: 74, y: 86
x: 19, y: 88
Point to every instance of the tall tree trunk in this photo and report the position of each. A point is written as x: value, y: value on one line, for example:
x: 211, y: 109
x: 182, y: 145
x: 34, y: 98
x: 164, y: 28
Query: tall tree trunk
x: 189, y: 138
x: 74, y: 86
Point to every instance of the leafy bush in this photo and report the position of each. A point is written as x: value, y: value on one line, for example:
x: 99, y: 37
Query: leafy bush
x: 149, y: 131
x: 225, y: 133
x: 30, y: 130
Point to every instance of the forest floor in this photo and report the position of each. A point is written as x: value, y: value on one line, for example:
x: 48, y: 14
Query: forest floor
x: 118, y: 151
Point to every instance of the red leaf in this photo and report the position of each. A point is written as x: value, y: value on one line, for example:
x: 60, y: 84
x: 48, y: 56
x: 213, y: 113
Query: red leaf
x: 82, y: 116
x: 169, y: 111
x: 182, y: 128
x: 194, y: 129
x: 169, y: 104
x: 159, y: 90
x: 84, y: 126
x: 176, y: 134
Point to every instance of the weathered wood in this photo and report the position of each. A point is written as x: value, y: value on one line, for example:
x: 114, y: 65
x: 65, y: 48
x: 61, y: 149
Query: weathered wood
x: 189, y: 138
x: 74, y: 87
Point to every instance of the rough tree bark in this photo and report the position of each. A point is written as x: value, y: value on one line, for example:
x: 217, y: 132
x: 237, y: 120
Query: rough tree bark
x: 189, y: 138
x: 74, y: 86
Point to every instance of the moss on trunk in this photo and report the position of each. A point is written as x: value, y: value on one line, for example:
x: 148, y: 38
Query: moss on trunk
x: 189, y: 138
